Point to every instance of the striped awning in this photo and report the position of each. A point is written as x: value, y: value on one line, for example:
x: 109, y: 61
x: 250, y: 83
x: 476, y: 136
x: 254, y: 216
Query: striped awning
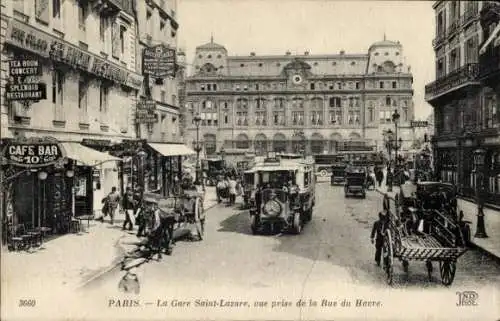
x: 86, y: 156
x: 172, y: 149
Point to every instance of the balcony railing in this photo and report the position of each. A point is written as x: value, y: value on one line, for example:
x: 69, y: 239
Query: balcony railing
x: 440, y: 38
x: 457, y: 78
x: 470, y: 15
x: 489, y: 62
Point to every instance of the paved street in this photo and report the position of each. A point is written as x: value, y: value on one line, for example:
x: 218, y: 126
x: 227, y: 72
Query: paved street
x: 333, y: 255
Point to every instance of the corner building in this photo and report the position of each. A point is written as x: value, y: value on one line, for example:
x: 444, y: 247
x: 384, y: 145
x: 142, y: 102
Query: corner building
x: 465, y: 95
x: 87, y: 50
x: 268, y: 103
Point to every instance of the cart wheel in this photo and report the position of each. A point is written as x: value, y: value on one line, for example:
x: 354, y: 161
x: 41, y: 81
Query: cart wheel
x: 297, y: 224
x: 447, y: 269
x: 254, y: 224
x: 428, y: 264
x: 388, y: 259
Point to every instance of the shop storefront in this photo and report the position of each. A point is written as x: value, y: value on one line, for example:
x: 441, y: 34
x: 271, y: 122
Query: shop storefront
x: 163, y: 169
x: 46, y: 183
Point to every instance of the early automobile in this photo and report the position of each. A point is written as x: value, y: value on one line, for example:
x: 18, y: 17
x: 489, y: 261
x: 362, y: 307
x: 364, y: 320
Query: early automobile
x: 212, y: 168
x: 284, y: 195
x: 355, y: 181
x: 338, y: 174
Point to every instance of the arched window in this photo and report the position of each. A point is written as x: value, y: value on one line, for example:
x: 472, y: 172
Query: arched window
x: 242, y: 141
x: 279, y: 143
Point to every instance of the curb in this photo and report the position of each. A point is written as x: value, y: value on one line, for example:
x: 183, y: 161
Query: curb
x: 487, y: 252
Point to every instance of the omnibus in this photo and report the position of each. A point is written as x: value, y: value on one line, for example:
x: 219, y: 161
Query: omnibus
x: 324, y: 162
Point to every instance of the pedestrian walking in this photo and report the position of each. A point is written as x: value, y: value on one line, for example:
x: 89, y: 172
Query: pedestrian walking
x: 111, y: 202
x: 232, y: 190
x: 128, y: 206
x: 377, y: 236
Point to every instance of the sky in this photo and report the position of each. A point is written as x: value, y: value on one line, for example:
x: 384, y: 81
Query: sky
x: 317, y: 26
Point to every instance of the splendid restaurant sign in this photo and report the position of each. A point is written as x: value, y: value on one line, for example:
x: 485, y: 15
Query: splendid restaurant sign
x: 33, y: 153
x: 29, y: 38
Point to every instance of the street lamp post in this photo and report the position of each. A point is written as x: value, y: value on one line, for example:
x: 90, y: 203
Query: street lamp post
x: 222, y: 155
x: 395, y: 120
x: 479, y: 159
x: 141, y: 170
x: 388, y: 143
x: 197, y: 120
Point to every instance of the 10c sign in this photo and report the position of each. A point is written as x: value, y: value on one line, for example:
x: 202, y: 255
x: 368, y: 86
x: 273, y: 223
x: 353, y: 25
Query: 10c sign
x: 33, y: 155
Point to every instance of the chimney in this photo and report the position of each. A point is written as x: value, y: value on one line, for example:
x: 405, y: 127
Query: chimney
x: 342, y: 52
x: 288, y: 53
x: 252, y: 54
x: 306, y: 53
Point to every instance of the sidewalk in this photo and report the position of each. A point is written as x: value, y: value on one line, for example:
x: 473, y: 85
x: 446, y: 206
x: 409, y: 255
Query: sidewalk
x: 491, y: 244
x: 66, y: 261
x: 70, y: 260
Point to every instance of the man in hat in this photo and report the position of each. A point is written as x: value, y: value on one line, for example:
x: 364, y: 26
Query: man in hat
x: 129, y: 204
x: 377, y: 236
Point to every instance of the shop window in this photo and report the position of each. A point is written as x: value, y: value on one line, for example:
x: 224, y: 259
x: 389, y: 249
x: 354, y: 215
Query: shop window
x: 56, y: 8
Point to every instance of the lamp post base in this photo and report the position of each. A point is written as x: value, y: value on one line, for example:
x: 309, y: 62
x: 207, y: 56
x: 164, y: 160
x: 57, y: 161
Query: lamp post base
x: 480, y: 229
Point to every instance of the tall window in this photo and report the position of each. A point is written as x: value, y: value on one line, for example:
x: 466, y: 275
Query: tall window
x: 387, y: 100
x: 103, y: 98
x: 335, y: 102
x: 279, y: 103
x: 103, y: 24
x: 371, y: 114
x: 123, y: 33
x: 440, y: 25
x: 58, y: 94
x: 490, y: 110
x: 82, y: 14
x: 440, y: 70
x: 83, y: 86
x: 56, y: 9
x: 454, y: 59
x: 471, y: 51
x: 226, y: 118
x: 381, y: 85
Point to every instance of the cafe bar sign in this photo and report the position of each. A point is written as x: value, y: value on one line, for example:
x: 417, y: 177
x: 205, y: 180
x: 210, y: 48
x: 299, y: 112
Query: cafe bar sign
x: 33, y: 153
x: 41, y: 43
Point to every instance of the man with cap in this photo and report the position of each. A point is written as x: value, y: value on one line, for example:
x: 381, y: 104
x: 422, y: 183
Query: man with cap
x: 377, y: 235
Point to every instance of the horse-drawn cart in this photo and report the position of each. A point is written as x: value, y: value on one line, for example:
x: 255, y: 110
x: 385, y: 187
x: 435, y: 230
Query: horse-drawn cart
x: 421, y: 234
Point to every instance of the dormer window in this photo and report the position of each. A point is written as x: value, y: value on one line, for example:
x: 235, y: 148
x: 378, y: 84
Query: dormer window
x: 209, y: 56
x: 242, y: 65
x: 219, y: 56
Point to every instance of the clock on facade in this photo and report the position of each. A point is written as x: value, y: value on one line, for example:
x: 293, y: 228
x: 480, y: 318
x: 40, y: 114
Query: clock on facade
x: 297, y: 79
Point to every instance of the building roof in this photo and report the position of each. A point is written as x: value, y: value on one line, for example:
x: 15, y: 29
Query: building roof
x: 211, y: 45
x: 386, y: 43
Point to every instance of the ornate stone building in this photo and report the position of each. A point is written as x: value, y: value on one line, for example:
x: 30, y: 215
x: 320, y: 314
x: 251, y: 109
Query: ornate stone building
x: 269, y: 103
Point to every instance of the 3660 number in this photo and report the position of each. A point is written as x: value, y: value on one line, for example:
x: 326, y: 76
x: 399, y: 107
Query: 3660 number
x: 27, y: 303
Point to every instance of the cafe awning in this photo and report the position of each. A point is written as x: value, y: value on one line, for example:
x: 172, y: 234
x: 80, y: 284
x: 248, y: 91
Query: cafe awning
x: 171, y: 149
x: 86, y: 156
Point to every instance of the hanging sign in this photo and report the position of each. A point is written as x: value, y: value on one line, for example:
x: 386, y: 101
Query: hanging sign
x: 146, y: 117
x: 159, y: 61
x: 419, y: 123
x: 26, y: 91
x: 33, y: 153
x: 149, y: 105
x: 22, y: 68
